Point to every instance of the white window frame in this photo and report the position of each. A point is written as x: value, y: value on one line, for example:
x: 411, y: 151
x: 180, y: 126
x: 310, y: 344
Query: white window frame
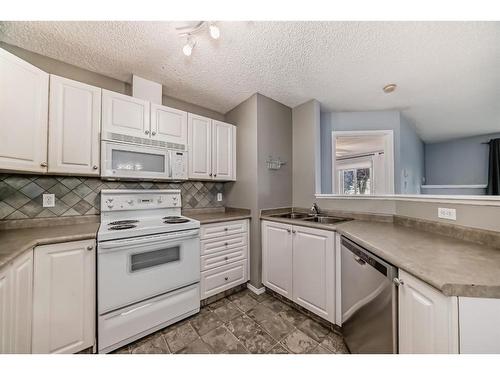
x: 388, y: 160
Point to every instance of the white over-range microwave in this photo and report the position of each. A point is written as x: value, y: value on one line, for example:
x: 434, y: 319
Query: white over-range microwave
x: 127, y: 160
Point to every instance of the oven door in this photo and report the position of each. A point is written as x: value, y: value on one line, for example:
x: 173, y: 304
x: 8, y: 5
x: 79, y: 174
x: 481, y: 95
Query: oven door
x: 121, y: 160
x: 135, y: 269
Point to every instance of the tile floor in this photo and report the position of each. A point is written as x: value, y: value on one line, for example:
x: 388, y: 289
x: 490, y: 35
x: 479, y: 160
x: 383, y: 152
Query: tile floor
x: 242, y: 323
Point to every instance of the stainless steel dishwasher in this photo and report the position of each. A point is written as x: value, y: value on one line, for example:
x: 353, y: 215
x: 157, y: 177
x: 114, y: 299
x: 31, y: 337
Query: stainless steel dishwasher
x: 369, y: 301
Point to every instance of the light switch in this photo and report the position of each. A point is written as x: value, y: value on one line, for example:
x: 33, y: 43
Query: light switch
x: 219, y: 197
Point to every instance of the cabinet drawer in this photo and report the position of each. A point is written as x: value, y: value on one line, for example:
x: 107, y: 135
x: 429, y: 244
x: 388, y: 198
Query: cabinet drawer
x: 220, y: 229
x: 223, y: 243
x: 222, y: 258
x: 223, y: 278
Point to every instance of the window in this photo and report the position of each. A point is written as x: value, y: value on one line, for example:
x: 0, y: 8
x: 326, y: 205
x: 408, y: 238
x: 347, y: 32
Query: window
x: 353, y: 181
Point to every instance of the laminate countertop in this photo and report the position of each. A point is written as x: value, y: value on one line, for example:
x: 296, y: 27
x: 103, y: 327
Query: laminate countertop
x: 14, y: 242
x: 209, y: 216
x: 455, y: 267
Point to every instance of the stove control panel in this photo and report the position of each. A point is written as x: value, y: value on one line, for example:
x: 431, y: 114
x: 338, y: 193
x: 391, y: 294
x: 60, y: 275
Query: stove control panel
x: 126, y: 200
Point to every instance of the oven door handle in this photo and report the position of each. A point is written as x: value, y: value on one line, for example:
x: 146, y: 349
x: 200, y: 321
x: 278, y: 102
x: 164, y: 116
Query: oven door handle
x: 132, y: 242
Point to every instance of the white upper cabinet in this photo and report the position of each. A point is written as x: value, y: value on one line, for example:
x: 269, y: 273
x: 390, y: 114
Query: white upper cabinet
x: 74, y: 127
x: 428, y: 320
x: 64, y: 297
x: 200, y: 147
x: 24, y: 93
x: 124, y: 115
x: 314, y: 270
x: 168, y: 124
x: 211, y: 149
x: 224, y: 150
x: 277, y: 257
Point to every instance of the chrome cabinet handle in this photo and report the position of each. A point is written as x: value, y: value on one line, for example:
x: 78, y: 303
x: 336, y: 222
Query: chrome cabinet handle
x: 289, y: 230
x: 95, y: 167
x: 225, y: 229
x: 398, y: 281
x: 153, y: 133
x: 210, y: 174
x: 294, y: 231
x: 146, y: 132
x: 43, y: 164
x: 90, y: 247
x: 226, y: 278
x: 226, y: 258
x: 225, y: 244
x: 215, y: 175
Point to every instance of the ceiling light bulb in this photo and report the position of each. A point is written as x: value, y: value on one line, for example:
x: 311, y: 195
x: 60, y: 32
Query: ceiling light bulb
x: 214, y: 31
x: 188, y: 47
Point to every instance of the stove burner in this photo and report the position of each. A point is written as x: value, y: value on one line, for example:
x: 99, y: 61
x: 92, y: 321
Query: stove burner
x: 120, y: 222
x: 121, y: 227
x: 171, y: 217
x: 177, y: 220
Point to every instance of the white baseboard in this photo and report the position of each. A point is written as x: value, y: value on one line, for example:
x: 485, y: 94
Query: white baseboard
x: 257, y: 291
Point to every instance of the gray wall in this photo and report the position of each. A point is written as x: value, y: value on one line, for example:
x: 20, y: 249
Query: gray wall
x: 345, y: 121
x: 63, y: 69
x: 306, y: 153
x: 461, y: 161
x: 412, y: 162
x: 263, y: 128
x: 405, y: 138
x: 274, y: 137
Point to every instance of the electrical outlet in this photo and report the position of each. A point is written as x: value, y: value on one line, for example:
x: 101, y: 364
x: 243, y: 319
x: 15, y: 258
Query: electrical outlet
x: 49, y: 200
x: 447, y: 213
x: 219, y: 197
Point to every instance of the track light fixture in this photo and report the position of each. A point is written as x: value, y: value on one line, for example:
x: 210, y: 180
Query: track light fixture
x: 189, y: 29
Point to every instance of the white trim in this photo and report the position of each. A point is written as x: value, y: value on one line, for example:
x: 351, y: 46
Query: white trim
x: 477, y: 200
x: 388, y: 152
x: 255, y: 290
x: 454, y: 186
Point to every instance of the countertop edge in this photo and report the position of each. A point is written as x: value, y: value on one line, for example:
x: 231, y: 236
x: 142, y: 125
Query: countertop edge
x: 223, y: 219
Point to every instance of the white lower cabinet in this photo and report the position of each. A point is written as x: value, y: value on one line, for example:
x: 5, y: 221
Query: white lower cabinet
x: 64, y: 297
x: 299, y: 263
x: 428, y: 320
x: 16, y: 281
x: 277, y: 257
x: 224, y: 256
x: 479, y: 325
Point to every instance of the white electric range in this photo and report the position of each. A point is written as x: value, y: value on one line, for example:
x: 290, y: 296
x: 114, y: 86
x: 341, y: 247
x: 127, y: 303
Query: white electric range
x: 148, y: 265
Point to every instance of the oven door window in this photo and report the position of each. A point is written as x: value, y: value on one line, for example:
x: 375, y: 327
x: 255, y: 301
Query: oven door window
x: 142, y: 261
x: 138, y: 161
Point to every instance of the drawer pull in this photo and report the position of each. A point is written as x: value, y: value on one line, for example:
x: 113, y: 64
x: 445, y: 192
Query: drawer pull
x: 137, y: 308
x: 226, y: 258
x: 225, y: 244
x: 225, y: 229
x: 226, y: 278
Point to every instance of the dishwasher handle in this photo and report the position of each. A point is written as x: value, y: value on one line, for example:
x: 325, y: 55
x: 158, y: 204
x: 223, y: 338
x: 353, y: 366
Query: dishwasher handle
x: 363, y: 256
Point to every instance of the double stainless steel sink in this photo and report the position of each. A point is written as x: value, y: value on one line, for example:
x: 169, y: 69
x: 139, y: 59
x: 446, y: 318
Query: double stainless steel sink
x: 320, y: 219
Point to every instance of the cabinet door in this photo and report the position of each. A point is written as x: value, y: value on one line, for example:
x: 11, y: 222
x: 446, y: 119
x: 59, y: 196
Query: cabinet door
x: 277, y: 257
x: 223, y: 150
x: 5, y: 310
x: 313, y: 270
x: 24, y: 93
x: 428, y: 320
x: 168, y: 124
x: 22, y: 303
x: 124, y: 115
x: 64, y: 297
x: 74, y: 127
x: 199, y: 147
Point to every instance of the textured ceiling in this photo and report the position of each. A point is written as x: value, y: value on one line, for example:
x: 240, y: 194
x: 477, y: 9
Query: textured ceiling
x: 448, y: 73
